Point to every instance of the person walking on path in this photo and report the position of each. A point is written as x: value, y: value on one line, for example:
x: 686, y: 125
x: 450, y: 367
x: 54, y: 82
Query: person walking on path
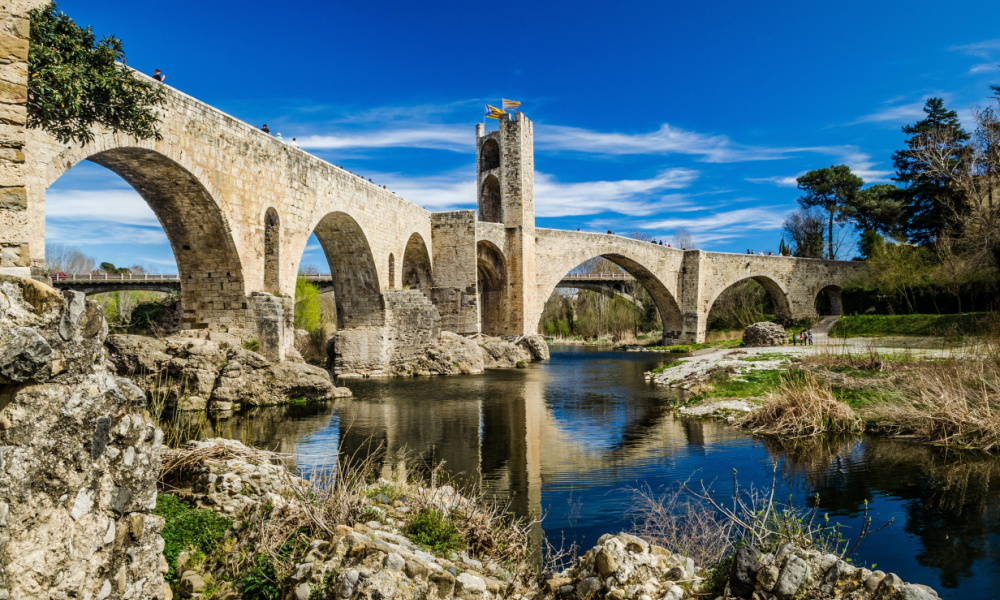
x: 810, y: 337
x: 158, y: 76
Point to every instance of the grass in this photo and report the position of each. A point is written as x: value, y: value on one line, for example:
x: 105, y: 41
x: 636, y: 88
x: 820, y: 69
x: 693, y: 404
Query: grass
x: 665, y: 366
x: 687, y: 348
x: 187, y: 528
x: 800, y: 406
x: 751, y: 384
x: 435, y: 531
x: 912, y: 325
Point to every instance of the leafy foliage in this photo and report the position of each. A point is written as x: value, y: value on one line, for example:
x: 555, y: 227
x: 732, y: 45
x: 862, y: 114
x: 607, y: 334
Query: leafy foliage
x: 308, y: 308
x: 833, y: 189
x: 259, y: 581
x: 76, y: 82
x: 432, y: 529
x: 187, y: 528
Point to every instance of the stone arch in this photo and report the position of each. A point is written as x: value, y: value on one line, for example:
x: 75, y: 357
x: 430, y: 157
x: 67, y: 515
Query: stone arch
x: 352, y: 270
x: 666, y: 304
x: 392, y: 271
x: 490, y: 208
x: 491, y: 279
x: 272, y: 251
x: 489, y: 155
x: 828, y: 301
x: 208, y: 262
x: 778, y: 296
x: 417, y: 264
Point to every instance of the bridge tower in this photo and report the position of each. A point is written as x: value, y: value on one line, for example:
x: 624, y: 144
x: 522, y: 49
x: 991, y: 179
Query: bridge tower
x: 505, y: 168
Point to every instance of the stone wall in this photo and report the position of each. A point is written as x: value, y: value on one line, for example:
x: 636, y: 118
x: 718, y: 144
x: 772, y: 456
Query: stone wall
x: 78, y: 458
x: 453, y: 243
x: 15, y: 229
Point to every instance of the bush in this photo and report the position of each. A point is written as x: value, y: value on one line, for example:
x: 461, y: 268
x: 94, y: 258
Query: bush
x: 187, y: 528
x: 252, y: 345
x: 432, y: 529
x: 260, y: 582
x: 308, y: 308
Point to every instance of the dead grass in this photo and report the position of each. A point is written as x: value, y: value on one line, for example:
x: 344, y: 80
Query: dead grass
x: 681, y: 524
x: 802, y: 406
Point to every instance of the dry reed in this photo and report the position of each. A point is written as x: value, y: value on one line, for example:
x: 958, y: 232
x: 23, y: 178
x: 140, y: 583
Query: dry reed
x: 802, y: 406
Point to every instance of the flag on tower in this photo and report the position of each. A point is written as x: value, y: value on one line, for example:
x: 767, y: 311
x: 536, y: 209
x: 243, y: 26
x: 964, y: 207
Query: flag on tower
x: 510, y: 103
x: 493, y: 112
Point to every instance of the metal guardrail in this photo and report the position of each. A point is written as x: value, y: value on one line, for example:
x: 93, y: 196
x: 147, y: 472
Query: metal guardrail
x: 598, y: 276
x: 112, y: 277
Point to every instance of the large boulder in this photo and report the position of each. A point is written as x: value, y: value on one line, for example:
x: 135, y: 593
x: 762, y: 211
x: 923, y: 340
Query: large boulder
x: 194, y: 372
x: 78, y: 458
x: 763, y: 334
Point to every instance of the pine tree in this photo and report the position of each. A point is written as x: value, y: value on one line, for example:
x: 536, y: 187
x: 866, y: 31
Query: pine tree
x: 832, y: 189
x: 928, y: 198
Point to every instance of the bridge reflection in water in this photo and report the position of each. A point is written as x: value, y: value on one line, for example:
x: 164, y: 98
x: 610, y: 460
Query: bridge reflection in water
x: 570, y: 439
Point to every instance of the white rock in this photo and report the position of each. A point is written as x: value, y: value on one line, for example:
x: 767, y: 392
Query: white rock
x: 84, y: 502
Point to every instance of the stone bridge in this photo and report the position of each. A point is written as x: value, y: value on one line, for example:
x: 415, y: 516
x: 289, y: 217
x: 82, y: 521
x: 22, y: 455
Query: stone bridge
x: 238, y: 207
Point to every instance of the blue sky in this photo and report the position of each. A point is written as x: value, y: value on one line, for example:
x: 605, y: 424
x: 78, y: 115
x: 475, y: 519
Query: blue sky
x: 648, y: 115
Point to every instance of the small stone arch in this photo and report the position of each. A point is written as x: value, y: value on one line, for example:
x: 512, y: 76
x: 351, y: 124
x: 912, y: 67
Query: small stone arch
x: 416, y: 264
x: 490, y: 207
x: 491, y: 279
x: 392, y: 271
x: 778, y: 296
x: 666, y: 304
x: 352, y: 271
x: 828, y: 301
x: 489, y: 155
x: 272, y: 251
x: 208, y: 263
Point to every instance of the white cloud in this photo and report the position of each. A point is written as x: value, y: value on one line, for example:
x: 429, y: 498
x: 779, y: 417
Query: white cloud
x: 101, y: 233
x: 437, y: 138
x: 984, y: 49
x: 984, y: 68
x: 900, y: 113
x: 861, y: 164
x: 665, y: 140
x: 778, y: 180
x: 116, y: 205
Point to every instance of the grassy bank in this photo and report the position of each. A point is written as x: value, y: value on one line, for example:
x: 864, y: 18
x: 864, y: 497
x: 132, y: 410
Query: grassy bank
x: 915, y: 325
x: 951, y: 401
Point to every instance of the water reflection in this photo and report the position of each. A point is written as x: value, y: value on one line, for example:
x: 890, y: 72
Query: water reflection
x: 571, y: 438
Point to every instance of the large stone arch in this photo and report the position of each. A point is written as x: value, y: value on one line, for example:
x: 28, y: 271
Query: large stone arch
x: 492, y: 280
x: 666, y: 304
x: 417, y: 272
x: 208, y: 261
x: 827, y: 300
x: 353, y: 271
x: 776, y: 292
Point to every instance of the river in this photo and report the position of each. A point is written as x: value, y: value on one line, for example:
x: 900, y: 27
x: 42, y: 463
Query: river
x: 573, y: 438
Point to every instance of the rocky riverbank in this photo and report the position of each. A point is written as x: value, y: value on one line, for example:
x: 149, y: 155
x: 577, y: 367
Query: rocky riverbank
x: 209, y: 370
x: 385, y: 548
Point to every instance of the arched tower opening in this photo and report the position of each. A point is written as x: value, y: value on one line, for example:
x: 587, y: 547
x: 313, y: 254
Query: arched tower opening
x: 272, y: 251
x: 489, y: 155
x: 490, y: 207
x: 491, y: 277
x: 417, y: 265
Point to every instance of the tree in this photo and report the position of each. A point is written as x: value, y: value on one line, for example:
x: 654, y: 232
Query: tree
x: 933, y: 150
x: 308, y: 309
x: 805, y: 228
x: 783, y: 248
x: 76, y: 82
x: 67, y: 259
x: 831, y: 189
x: 683, y: 239
x: 876, y: 208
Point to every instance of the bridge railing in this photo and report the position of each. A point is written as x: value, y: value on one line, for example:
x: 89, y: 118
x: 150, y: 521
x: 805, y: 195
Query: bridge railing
x: 112, y: 277
x: 598, y: 276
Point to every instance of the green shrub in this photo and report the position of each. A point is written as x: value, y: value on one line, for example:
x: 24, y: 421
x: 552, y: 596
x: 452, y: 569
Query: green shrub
x: 308, y: 306
x: 187, y: 528
x: 718, y: 577
x: 432, y: 529
x: 252, y: 345
x: 260, y: 581
x: 521, y: 364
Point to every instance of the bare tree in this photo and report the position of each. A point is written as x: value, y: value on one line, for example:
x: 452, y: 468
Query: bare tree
x: 61, y: 258
x: 683, y: 239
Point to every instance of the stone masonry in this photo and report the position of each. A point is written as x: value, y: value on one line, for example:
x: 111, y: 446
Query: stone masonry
x: 238, y: 207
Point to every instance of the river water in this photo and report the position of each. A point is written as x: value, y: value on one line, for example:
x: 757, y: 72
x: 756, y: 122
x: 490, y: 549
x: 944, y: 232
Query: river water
x: 573, y: 438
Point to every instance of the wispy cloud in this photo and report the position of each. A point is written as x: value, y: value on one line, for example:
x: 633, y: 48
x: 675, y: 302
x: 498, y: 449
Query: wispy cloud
x: 554, y: 198
x: 123, y: 206
x: 984, y: 68
x: 723, y: 226
x: 899, y: 113
x: 861, y: 164
x: 778, y: 180
x: 984, y: 49
x: 457, y: 139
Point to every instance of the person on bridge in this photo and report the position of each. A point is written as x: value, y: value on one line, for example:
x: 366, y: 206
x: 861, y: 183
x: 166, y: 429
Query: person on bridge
x: 278, y: 135
x: 265, y: 129
x: 158, y: 76
x: 294, y: 143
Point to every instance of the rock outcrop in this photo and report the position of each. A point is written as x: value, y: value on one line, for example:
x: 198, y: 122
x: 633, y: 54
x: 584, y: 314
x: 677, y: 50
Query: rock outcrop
x: 764, y: 333
x: 78, y: 458
x: 193, y: 373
